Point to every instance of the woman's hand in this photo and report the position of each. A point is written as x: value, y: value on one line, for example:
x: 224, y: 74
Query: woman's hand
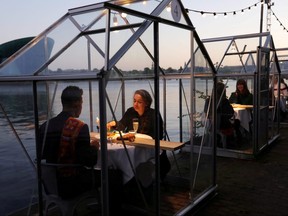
x: 110, y: 125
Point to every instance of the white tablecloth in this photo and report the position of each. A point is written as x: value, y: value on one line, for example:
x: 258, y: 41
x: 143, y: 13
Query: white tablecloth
x: 244, y: 116
x: 118, y: 158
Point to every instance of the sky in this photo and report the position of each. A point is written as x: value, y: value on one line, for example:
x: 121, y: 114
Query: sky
x: 31, y: 17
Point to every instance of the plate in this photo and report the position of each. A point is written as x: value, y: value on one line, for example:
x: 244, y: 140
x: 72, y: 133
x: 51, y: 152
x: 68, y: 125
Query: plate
x: 145, y: 136
x: 139, y: 135
x: 97, y: 136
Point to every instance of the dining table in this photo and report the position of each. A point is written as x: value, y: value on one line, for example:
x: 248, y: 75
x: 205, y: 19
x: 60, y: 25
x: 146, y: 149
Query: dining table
x: 138, y: 151
x: 244, y: 114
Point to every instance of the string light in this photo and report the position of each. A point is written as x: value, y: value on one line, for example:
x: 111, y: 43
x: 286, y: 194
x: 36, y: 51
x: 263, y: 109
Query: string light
x: 281, y: 24
x: 204, y: 13
x: 168, y: 8
x: 241, y: 11
x: 115, y: 21
x: 226, y: 12
x: 123, y: 15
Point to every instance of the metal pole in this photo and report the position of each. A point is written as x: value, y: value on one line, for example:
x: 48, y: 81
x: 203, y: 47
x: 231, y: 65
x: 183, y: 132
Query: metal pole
x: 261, y: 23
x: 157, y: 140
x: 38, y: 149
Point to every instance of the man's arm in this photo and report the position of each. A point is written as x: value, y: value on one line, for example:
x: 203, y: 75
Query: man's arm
x: 86, y: 153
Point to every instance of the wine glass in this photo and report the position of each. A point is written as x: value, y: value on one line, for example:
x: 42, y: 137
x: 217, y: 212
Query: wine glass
x: 135, y: 124
x: 97, y: 124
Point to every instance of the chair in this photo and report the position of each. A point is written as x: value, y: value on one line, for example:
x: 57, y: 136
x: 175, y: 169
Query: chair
x: 225, y: 133
x: 145, y: 173
x: 52, y: 197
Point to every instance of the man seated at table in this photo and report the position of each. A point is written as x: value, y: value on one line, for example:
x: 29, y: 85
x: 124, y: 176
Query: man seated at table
x: 67, y: 141
x: 225, y: 114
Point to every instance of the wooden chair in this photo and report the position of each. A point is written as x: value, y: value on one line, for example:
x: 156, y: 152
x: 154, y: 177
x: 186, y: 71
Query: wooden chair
x: 52, y: 197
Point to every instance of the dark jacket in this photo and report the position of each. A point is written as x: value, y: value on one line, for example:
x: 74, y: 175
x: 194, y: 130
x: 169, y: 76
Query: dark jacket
x: 86, y: 155
x: 225, y: 112
x: 246, y: 99
x: 146, y: 126
x: 146, y: 122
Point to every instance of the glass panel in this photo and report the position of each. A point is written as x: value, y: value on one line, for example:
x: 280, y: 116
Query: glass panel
x: 174, y: 53
x: 263, y: 97
x: 43, y: 48
x: 93, y: 20
x: 137, y: 60
x: 143, y: 6
x: 17, y: 146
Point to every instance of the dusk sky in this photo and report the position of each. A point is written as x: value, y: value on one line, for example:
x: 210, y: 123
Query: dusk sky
x: 29, y: 18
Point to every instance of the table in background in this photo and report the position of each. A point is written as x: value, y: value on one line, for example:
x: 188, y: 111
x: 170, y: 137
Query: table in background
x: 243, y: 114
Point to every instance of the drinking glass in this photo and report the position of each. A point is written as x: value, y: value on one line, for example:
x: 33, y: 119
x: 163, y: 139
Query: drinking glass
x: 97, y: 124
x: 135, y: 124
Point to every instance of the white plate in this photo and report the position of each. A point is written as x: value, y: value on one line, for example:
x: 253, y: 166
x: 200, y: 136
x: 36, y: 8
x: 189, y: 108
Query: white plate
x: 139, y: 135
x: 97, y: 136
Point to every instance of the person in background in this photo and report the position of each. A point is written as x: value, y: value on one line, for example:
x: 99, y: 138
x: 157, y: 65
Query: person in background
x: 242, y: 94
x: 282, y: 95
x: 224, y: 110
x: 225, y: 114
x: 283, y: 88
x: 67, y: 141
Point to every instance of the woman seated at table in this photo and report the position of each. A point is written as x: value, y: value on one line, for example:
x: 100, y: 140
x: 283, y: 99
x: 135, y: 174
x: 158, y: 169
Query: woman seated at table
x: 142, y: 110
x: 243, y: 96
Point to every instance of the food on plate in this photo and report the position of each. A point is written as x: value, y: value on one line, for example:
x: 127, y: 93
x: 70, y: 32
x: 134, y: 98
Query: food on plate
x: 130, y: 137
x: 110, y: 134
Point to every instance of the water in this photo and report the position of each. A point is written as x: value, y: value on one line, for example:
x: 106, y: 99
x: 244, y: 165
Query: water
x: 18, y: 175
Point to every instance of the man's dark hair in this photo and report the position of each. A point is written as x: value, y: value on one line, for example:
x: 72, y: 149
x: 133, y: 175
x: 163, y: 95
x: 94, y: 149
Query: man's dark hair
x: 221, y: 90
x: 70, y: 95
